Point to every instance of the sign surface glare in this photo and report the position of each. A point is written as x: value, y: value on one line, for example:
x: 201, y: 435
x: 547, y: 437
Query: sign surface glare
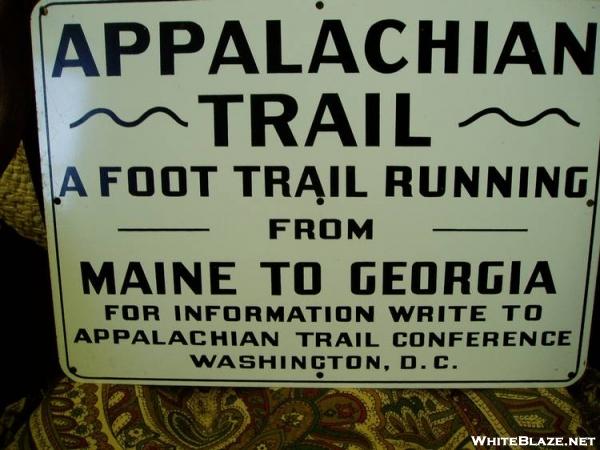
x: 362, y: 193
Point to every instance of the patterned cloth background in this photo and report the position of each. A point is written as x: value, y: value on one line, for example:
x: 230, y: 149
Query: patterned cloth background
x: 114, y: 416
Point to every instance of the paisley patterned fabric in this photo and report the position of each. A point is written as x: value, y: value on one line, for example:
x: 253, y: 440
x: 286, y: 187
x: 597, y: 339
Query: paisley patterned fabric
x: 114, y: 416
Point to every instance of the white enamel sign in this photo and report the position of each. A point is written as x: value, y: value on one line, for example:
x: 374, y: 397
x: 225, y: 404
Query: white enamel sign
x: 354, y: 193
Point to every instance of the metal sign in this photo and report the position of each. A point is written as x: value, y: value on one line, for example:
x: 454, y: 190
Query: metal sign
x: 367, y: 193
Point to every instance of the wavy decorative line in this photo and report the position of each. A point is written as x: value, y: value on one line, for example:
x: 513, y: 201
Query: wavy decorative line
x: 133, y: 123
x: 519, y: 123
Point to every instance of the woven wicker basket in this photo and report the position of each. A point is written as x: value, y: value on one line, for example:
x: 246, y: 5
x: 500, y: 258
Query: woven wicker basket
x: 18, y: 204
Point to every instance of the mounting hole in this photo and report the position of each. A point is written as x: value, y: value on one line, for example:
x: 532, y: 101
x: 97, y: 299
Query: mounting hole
x: 320, y: 201
x: 319, y: 5
x: 590, y: 202
x: 57, y: 201
x: 44, y: 11
x: 571, y: 375
x: 320, y: 375
x: 73, y: 369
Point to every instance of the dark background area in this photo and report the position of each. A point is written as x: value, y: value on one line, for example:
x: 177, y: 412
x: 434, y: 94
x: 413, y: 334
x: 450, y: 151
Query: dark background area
x: 29, y: 356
